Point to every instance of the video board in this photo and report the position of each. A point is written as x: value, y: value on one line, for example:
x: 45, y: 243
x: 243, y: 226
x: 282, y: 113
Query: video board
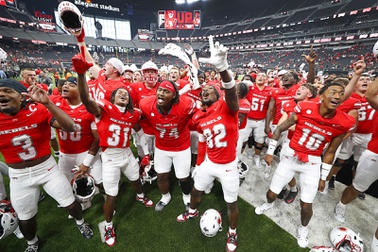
x: 179, y: 20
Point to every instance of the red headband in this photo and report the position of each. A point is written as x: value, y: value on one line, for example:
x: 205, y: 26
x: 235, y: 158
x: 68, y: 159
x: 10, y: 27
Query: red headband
x: 168, y: 85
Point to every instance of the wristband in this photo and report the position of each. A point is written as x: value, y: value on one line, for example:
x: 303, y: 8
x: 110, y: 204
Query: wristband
x: 272, y: 147
x: 88, y: 160
x: 326, y: 168
x: 228, y: 85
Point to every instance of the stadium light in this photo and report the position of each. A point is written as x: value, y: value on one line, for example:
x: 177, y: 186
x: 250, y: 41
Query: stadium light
x: 180, y: 1
x: 186, y: 1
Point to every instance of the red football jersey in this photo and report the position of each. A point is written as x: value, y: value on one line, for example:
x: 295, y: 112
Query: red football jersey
x: 138, y: 91
x: 244, y: 108
x: 365, y: 115
x: 219, y: 126
x: 373, y: 144
x: 43, y: 86
x: 259, y: 100
x: 281, y: 96
x: 25, y: 136
x: 313, y: 132
x: 349, y: 104
x: 114, y: 127
x: 103, y: 88
x: 80, y: 140
x: 288, y: 108
x: 171, y: 131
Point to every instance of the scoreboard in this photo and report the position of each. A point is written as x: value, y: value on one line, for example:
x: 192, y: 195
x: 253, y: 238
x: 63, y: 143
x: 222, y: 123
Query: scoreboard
x: 179, y: 20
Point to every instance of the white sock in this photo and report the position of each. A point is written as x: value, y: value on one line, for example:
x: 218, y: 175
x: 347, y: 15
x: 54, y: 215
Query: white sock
x: 80, y: 222
x: 192, y: 211
x: 35, y: 239
x: 165, y: 198
x: 341, y: 205
x: 186, y: 198
x: 108, y: 224
x: 231, y: 231
x: 140, y: 195
x: 293, y: 189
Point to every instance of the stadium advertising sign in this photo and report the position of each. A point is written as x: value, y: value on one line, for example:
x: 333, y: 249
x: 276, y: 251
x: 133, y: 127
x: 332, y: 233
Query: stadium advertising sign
x: 179, y: 20
x: 9, y: 3
x: 89, y: 4
x: 45, y: 21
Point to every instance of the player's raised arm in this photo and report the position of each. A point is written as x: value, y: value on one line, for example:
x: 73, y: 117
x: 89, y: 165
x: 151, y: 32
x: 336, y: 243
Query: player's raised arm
x: 218, y: 59
x: 81, y: 67
x: 63, y: 121
x: 73, y: 22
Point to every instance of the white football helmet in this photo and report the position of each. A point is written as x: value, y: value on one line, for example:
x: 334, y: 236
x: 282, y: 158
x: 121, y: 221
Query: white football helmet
x: 150, y: 77
x: 3, y: 55
x: 243, y: 169
x: 8, y: 219
x: 211, y: 222
x: 71, y: 18
x: 346, y: 240
x: 84, y: 188
x: 148, y: 173
x: 375, y: 49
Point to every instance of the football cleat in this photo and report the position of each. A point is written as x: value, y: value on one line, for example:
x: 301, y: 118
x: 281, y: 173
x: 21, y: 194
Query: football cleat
x: 187, y: 216
x: 211, y: 222
x: 263, y: 208
x: 160, y: 206
x: 71, y: 18
x: 345, y: 239
x: 110, y: 238
x: 8, y: 219
x: 281, y: 194
x: 291, y: 196
x: 85, y: 230
x: 232, y: 242
x: 32, y: 247
x: 339, y: 214
x: 145, y: 200
x: 302, y: 239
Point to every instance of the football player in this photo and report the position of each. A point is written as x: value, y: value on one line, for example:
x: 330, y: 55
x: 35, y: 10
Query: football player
x: 115, y: 119
x: 25, y: 128
x: 169, y: 114
x: 79, y: 148
x: 217, y: 126
x: 258, y: 96
x: 366, y: 172
x: 316, y: 125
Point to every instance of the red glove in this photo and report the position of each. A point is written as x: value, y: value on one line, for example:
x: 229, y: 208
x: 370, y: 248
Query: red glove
x: 80, y: 64
x: 80, y: 38
x: 145, y: 161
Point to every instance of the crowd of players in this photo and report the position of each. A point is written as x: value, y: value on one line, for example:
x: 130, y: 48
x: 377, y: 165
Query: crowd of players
x: 316, y: 125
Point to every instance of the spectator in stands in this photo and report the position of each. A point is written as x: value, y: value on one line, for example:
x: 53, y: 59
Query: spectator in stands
x: 3, y: 75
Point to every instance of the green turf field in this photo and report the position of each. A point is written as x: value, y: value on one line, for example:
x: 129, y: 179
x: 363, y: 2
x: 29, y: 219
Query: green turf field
x: 142, y: 229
